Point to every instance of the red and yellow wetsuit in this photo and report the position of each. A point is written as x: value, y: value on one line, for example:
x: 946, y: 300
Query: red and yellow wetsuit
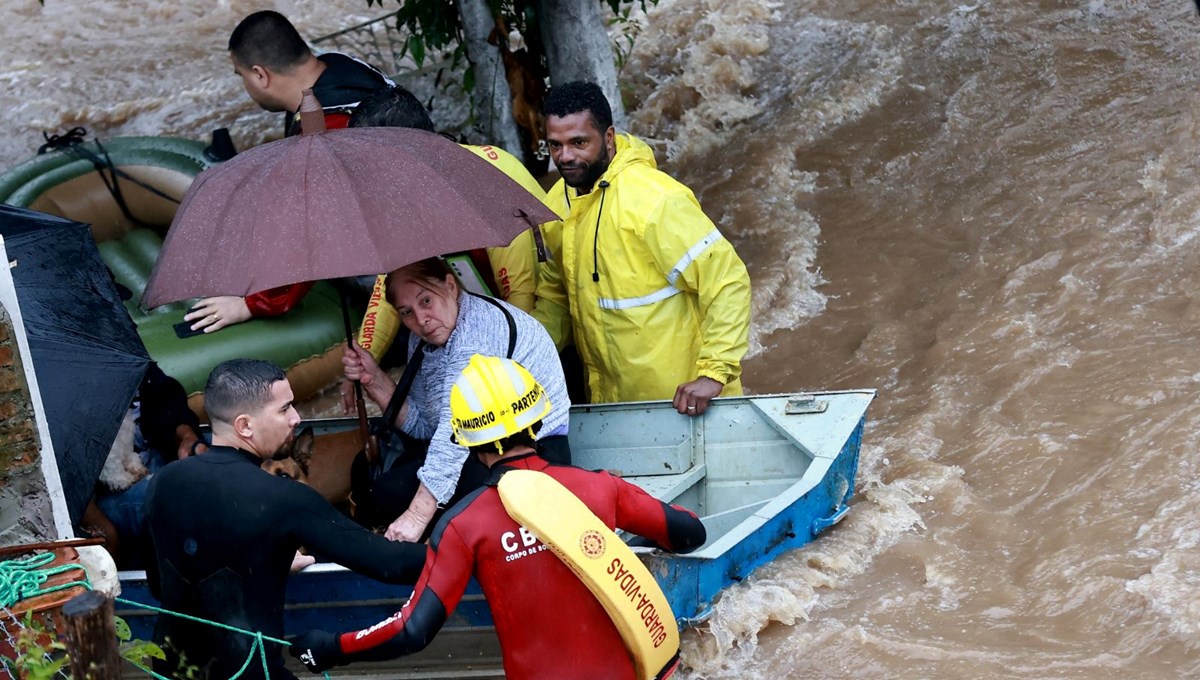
x: 549, y: 623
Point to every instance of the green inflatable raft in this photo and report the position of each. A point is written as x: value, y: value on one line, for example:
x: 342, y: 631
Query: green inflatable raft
x: 306, y: 341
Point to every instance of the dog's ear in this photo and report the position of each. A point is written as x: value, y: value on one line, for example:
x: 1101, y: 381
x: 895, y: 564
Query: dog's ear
x: 302, y: 450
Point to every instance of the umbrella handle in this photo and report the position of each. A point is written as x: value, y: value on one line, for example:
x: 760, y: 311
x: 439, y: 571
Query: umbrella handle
x: 364, y: 431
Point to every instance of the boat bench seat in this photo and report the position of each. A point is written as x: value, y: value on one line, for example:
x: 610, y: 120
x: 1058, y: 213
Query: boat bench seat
x: 667, y: 488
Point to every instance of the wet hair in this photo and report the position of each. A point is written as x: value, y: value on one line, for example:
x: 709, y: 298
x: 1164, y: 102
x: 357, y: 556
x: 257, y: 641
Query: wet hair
x: 431, y: 270
x: 391, y: 107
x: 268, y: 39
x: 239, y: 386
x: 578, y: 96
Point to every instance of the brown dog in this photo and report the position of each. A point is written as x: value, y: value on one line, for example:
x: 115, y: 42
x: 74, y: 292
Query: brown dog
x: 320, y: 461
x: 292, y: 462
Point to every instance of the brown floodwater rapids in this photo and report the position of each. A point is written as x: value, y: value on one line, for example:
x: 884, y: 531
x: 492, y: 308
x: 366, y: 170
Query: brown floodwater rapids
x: 985, y: 210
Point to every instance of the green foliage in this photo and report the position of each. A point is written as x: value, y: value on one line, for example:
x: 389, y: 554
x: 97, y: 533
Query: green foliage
x: 434, y: 27
x: 40, y: 656
x: 628, y: 31
x: 136, y: 652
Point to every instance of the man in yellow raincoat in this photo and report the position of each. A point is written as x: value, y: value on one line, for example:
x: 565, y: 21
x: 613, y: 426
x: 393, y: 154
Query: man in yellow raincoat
x: 655, y: 300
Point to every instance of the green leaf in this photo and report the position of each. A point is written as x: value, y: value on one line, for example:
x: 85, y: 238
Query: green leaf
x: 123, y: 632
x: 138, y: 650
x: 417, y: 47
x: 469, y: 79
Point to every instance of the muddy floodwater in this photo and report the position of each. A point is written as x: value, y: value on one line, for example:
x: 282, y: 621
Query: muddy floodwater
x: 985, y: 211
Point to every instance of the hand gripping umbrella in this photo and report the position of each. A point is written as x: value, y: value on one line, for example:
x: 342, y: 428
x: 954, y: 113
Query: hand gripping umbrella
x: 331, y: 204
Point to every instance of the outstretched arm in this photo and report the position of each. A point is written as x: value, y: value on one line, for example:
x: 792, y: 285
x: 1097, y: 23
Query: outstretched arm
x: 670, y: 527
x: 447, y: 571
x: 328, y: 533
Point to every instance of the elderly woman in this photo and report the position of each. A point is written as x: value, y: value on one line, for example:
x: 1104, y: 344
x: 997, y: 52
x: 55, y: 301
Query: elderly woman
x: 448, y: 325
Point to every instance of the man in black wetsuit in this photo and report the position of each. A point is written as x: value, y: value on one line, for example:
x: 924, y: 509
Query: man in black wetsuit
x: 225, y: 532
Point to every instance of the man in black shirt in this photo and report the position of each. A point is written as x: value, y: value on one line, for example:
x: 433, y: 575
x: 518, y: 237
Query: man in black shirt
x: 225, y: 532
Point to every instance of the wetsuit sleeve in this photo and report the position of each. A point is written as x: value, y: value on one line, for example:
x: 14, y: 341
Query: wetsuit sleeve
x: 670, y: 527
x: 448, y: 567
x: 694, y: 256
x: 332, y: 535
x: 276, y: 301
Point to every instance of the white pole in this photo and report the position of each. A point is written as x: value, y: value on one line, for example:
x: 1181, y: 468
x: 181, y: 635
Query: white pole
x: 49, y: 464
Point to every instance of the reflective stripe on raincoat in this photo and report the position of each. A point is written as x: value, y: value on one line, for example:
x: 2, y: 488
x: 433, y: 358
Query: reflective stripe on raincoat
x: 657, y: 297
x: 514, y: 267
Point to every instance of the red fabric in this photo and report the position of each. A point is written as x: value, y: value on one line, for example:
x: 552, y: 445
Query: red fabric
x: 337, y: 120
x: 548, y: 622
x: 276, y: 301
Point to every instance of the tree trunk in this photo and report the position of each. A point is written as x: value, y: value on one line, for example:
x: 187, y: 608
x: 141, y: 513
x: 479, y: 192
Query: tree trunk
x: 577, y: 48
x: 493, y: 100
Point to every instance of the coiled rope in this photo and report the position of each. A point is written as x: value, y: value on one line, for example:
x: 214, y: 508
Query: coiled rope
x: 21, y: 579
x: 24, y: 578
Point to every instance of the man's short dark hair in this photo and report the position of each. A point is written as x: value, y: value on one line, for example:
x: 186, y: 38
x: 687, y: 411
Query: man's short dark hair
x: 239, y: 386
x: 578, y: 96
x: 391, y: 107
x: 268, y: 39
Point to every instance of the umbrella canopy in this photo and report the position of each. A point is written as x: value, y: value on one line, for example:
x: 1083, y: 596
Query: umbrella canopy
x: 335, y: 204
x: 86, y: 351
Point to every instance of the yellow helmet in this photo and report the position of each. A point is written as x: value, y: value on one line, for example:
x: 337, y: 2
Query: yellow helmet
x: 495, y: 398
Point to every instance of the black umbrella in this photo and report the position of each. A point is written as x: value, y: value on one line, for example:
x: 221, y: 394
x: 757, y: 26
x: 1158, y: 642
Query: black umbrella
x: 86, y: 351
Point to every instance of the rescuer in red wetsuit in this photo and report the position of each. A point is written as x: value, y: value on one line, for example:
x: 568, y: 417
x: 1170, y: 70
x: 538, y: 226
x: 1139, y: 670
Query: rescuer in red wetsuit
x: 549, y: 624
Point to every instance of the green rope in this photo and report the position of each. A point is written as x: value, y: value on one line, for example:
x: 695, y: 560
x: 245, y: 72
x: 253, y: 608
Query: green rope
x: 21, y: 579
x: 258, y: 645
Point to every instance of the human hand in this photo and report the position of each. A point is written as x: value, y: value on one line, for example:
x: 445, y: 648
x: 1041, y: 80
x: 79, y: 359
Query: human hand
x: 407, y: 527
x: 412, y: 522
x: 300, y: 561
x: 214, y: 313
x: 317, y: 650
x: 358, y: 364
x: 189, y: 442
x: 346, y: 390
x: 691, y: 398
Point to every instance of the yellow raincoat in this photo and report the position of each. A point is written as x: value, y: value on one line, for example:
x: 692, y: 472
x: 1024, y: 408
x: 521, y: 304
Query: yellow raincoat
x: 514, y: 266
x: 644, y: 285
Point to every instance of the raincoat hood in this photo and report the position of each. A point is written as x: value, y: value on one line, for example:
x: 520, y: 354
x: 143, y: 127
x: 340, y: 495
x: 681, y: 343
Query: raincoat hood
x: 631, y: 152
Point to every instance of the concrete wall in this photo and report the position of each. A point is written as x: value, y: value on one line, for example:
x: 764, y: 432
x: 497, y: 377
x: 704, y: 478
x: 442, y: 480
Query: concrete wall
x: 25, y: 507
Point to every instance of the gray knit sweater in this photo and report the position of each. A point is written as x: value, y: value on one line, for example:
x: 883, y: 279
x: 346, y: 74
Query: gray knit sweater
x: 481, y: 329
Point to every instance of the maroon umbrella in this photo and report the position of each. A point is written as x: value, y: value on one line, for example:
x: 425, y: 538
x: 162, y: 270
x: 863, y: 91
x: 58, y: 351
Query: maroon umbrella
x: 326, y: 205
x: 335, y: 204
